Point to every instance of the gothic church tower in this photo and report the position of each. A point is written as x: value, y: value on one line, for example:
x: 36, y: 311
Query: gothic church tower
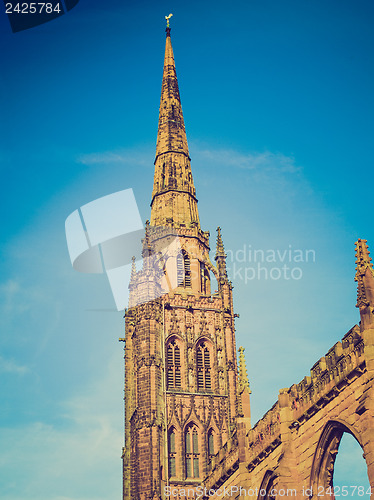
x: 184, y: 391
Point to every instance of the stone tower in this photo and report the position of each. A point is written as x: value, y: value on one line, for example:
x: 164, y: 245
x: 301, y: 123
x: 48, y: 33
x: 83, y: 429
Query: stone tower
x: 184, y: 392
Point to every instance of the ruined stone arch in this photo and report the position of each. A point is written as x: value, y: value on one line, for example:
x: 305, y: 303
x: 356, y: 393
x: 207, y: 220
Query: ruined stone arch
x: 322, y: 472
x: 267, y: 485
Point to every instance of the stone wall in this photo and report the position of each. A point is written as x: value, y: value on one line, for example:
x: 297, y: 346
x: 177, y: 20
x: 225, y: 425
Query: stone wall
x: 294, y: 446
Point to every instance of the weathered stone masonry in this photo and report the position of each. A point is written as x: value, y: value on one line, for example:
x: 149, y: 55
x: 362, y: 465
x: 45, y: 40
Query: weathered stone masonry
x: 187, y: 407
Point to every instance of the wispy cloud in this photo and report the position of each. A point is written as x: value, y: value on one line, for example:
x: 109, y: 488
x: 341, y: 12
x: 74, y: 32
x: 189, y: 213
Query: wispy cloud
x: 267, y: 160
x: 250, y: 161
x: 121, y: 156
x: 11, y: 366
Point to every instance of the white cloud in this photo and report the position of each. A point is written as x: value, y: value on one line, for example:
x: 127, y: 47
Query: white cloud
x: 250, y: 161
x: 122, y: 156
x: 10, y: 366
x: 254, y: 160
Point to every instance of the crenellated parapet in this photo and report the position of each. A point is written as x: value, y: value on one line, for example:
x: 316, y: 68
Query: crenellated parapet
x: 342, y: 364
x: 264, y: 437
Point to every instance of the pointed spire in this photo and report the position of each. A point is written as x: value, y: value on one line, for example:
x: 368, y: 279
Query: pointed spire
x: 133, y: 270
x: 365, y: 284
x: 243, y: 376
x: 174, y: 200
x: 220, y: 257
x: 220, y: 248
x: 171, y: 130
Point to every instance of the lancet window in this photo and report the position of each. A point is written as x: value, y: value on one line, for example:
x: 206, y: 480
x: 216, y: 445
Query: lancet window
x: 210, y: 443
x: 173, y: 359
x: 204, y: 376
x: 192, y: 452
x: 172, y: 453
x: 184, y: 270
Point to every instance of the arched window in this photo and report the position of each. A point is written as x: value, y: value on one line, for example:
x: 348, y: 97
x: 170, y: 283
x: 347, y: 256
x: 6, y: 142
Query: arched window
x: 187, y: 271
x: 183, y: 270
x: 192, y: 452
x: 173, y: 360
x: 204, y: 377
x: 171, y: 453
x: 211, y: 443
x: 180, y: 269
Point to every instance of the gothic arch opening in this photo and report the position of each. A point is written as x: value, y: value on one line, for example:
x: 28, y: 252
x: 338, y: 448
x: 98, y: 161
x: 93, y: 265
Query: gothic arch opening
x: 322, y: 474
x: 204, y: 279
x: 267, y: 488
x: 192, y: 445
x: 184, y: 269
x: 213, y: 283
x: 174, y: 360
x: 172, y: 452
x: 350, y: 469
x: 210, y: 443
x: 204, y: 366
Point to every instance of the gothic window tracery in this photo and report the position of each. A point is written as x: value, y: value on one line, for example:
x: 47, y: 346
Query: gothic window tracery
x: 204, y: 376
x: 172, y: 453
x: 192, y: 452
x: 173, y: 360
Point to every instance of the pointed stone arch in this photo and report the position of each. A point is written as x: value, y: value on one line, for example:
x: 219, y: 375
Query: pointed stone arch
x: 321, y: 477
x: 205, y: 361
x: 175, y: 363
x: 193, y: 447
x: 267, y: 485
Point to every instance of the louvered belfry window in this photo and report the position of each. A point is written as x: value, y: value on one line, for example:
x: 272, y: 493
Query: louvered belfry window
x: 184, y: 270
x: 204, y: 377
x: 192, y: 452
x: 173, y: 365
x: 187, y: 271
x: 172, y: 453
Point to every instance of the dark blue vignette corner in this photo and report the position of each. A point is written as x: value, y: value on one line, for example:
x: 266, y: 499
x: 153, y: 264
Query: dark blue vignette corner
x: 25, y: 15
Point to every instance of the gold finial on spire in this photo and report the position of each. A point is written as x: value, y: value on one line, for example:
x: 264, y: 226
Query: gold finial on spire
x: 168, y: 20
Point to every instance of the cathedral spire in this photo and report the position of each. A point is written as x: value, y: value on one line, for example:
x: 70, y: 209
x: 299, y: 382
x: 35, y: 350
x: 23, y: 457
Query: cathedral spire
x: 365, y: 284
x: 174, y: 200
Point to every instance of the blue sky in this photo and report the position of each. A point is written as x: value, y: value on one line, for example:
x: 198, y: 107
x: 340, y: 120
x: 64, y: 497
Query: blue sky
x: 278, y: 105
